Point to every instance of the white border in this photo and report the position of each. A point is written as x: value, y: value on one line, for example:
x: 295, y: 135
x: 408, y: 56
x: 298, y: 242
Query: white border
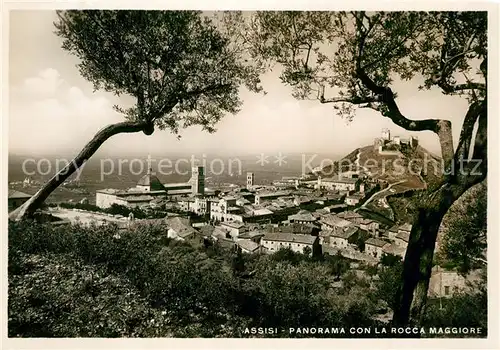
x: 493, y: 176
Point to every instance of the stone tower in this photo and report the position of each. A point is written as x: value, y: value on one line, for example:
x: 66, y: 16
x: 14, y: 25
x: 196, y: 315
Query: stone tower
x: 197, y: 180
x: 386, y: 134
x: 250, y: 180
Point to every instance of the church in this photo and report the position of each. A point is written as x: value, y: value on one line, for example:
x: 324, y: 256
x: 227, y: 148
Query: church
x: 149, y: 188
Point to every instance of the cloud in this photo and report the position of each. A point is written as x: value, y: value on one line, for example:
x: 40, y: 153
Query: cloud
x: 45, y: 83
x: 48, y: 114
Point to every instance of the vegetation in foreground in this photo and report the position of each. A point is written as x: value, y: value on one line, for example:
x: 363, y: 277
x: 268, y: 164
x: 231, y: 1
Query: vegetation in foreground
x: 79, y: 281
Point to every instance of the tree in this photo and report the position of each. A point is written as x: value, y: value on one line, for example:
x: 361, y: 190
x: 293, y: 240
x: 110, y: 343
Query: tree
x: 180, y: 67
x: 464, y: 238
x: 388, y: 284
x: 390, y: 259
x: 355, y: 56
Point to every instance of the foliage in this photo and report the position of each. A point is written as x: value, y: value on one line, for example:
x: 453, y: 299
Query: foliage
x: 182, y: 67
x: 118, y: 209
x: 181, y: 289
x: 337, y: 263
x: 326, y: 50
x: 390, y: 279
x: 390, y: 259
x: 361, y: 238
x: 464, y: 238
x: 91, y: 282
x: 465, y: 309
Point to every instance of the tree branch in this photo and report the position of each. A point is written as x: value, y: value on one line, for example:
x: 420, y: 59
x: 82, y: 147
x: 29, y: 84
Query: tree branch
x: 441, y: 127
x: 90, y: 148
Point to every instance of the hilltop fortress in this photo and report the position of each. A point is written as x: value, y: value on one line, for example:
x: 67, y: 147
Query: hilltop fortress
x: 391, y: 146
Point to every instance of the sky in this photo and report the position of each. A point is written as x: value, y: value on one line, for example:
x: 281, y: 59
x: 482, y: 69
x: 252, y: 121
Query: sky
x: 53, y: 110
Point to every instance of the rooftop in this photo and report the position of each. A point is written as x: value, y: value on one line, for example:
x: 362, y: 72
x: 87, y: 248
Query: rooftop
x: 150, y: 180
x: 14, y: 194
x: 342, y: 180
x: 138, y: 198
x: 289, y: 237
x: 376, y: 242
x: 293, y: 228
x: 394, y: 249
x: 233, y: 224
x: 181, y: 226
x: 247, y: 245
x: 405, y: 227
x: 404, y: 236
x: 349, y: 215
x: 333, y: 220
x: 302, y: 215
x: 365, y: 221
x: 251, y: 234
x: 273, y: 194
x: 346, y: 234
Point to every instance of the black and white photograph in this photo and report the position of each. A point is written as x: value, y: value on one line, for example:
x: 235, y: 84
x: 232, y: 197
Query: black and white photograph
x: 181, y: 173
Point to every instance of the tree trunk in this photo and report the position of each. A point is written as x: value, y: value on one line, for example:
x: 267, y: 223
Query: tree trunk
x: 28, y: 208
x: 419, y: 254
x: 418, y: 265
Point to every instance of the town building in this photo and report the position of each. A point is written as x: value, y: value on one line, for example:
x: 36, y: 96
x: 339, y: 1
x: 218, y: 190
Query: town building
x: 180, y: 229
x: 333, y: 222
x: 296, y: 242
x: 225, y: 209
x: 150, y: 187
x: 250, y: 180
x: 394, y: 249
x: 344, y: 184
x: 262, y: 197
x: 342, y: 238
x: 234, y: 228
x: 402, y: 239
x: 16, y: 198
x: 302, y: 217
x: 369, y: 225
x: 374, y: 247
x: 392, y: 232
x: 248, y: 246
x: 445, y: 283
x: 354, y: 199
x: 254, y: 236
x: 307, y: 229
x: 351, y: 216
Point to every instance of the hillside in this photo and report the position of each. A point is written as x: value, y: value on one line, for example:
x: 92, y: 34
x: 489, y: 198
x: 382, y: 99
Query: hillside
x: 403, y: 169
x: 415, y: 166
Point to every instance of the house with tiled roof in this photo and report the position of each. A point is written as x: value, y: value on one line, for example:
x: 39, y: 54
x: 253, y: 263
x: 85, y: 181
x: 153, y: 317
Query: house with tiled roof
x: 16, y: 199
x: 235, y: 228
x: 375, y: 246
x: 254, y: 235
x: 302, y: 217
x: 296, y: 242
x: 180, y: 228
x: 339, y: 184
x: 351, y: 216
x: 333, y: 222
x: 369, y: 225
x: 248, y: 246
x: 394, y: 249
x: 405, y: 228
x: 342, y: 238
x: 307, y: 229
x: 354, y: 199
x: 392, y: 232
x: 402, y: 239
